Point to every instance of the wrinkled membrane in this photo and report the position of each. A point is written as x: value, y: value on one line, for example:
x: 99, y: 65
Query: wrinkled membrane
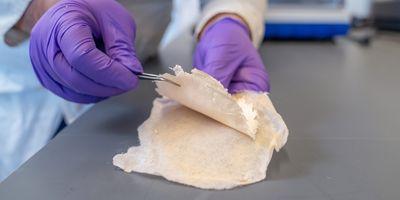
x: 200, y: 135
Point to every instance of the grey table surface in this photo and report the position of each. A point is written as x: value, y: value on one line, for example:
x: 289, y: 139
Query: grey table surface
x: 339, y: 100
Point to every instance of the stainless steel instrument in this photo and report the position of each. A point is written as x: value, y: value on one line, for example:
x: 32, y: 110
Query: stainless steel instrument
x: 155, y: 77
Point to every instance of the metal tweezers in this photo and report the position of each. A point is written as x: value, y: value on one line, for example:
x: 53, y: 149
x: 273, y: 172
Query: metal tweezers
x: 154, y: 77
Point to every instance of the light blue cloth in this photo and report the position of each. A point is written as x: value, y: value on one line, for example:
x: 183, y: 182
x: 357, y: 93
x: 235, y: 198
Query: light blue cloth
x: 29, y: 114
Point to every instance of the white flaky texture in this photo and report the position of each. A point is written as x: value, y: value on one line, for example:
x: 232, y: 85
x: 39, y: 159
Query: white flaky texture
x: 204, y: 94
x: 184, y: 144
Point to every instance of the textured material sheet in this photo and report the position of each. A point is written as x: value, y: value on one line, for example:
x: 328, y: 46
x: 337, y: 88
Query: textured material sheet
x: 188, y: 147
x: 204, y: 94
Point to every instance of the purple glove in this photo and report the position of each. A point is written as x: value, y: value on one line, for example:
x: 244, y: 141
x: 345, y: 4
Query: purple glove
x: 83, y: 50
x: 226, y: 52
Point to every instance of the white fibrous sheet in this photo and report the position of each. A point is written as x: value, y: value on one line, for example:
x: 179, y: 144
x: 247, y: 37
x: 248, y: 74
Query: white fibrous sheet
x: 206, y: 95
x: 190, y: 137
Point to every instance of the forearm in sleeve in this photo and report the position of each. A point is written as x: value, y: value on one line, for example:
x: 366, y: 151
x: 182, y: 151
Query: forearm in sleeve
x: 10, y: 12
x: 251, y: 11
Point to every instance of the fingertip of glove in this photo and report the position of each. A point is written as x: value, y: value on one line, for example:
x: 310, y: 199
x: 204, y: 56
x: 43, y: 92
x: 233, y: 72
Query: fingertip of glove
x: 131, y: 62
x: 130, y: 84
x: 137, y: 65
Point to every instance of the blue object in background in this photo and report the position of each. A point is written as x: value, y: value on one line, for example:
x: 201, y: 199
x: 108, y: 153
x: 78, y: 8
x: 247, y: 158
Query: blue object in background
x: 306, y: 19
x: 304, y: 30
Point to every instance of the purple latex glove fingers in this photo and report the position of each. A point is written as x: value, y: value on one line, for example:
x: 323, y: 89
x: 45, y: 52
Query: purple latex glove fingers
x: 225, y: 51
x: 83, y: 50
x: 118, y: 31
x: 217, y: 57
x: 82, y: 57
x: 251, y: 75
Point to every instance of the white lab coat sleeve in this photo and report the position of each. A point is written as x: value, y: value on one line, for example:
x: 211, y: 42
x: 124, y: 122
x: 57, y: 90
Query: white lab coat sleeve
x: 10, y: 12
x: 252, y: 11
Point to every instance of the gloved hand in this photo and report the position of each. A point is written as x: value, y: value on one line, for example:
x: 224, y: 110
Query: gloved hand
x: 225, y: 51
x: 83, y: 50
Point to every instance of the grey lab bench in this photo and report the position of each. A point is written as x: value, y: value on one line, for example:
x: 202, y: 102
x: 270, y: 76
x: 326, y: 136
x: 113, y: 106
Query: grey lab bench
x: 340, y: 102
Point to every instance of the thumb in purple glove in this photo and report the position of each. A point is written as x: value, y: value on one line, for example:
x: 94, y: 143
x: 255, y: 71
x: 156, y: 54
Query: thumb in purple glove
x: 83, y: 50
x: 225, y: 51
